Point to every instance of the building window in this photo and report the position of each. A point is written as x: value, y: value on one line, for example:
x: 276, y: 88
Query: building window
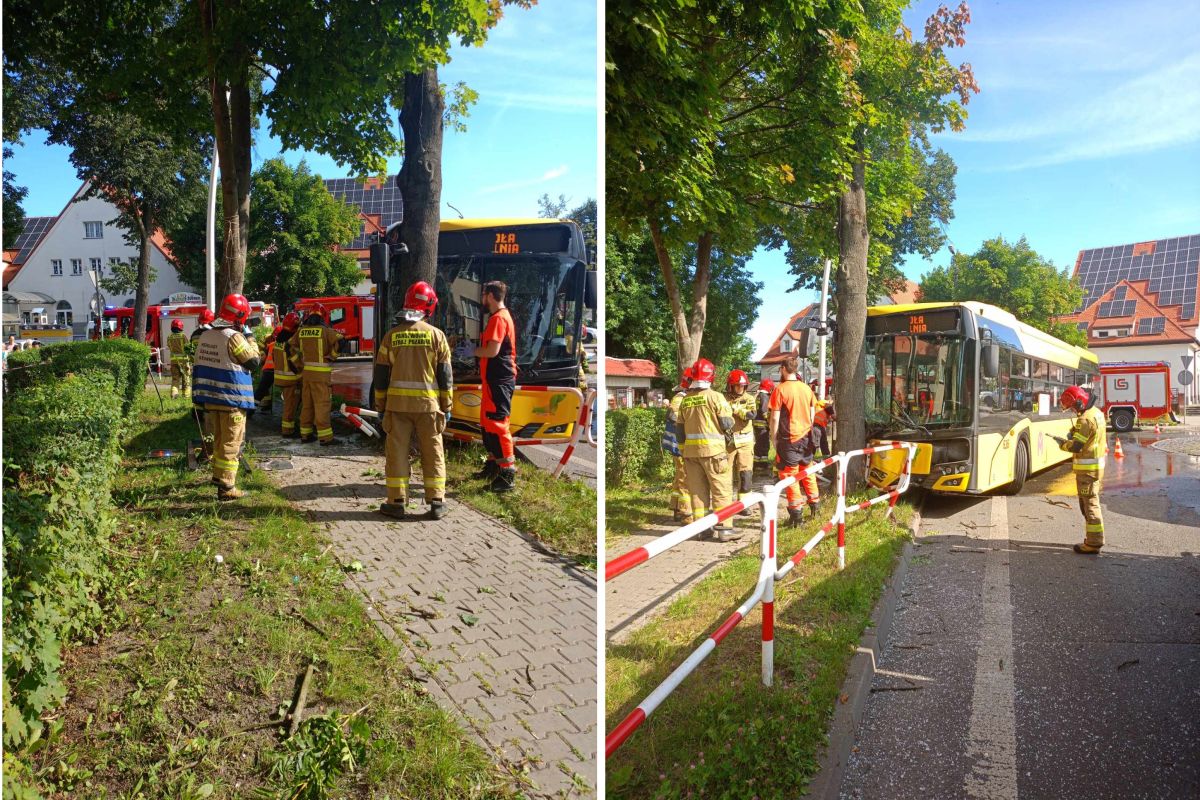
x: 112, y: 262
x: 97, y: 266
x: 56, y: 266
x: 93, y: 230
x: 785, y: 344
x: 76, y: 266
x: 63, y: 314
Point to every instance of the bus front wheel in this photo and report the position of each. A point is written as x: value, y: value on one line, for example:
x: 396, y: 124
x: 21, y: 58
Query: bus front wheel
x: 1122, y: 420
x: 1020, y: 469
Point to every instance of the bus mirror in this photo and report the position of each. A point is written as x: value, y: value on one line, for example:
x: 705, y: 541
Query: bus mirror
x: 379, y: 262
x: 589, y: 290
x: 991, y: 360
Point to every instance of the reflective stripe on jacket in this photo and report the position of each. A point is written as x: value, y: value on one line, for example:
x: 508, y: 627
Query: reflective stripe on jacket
x: 745, y: 409
x: 176, y: 343
x: 1089, y: 431
x: 318, y: 348
x: 698, y: 423
x: 286, y: 373
x: 420, y: 379
x: 218, y: 376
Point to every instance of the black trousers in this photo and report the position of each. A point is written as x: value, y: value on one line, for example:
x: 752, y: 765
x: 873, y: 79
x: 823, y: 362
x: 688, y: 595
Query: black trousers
x: 265, y: 384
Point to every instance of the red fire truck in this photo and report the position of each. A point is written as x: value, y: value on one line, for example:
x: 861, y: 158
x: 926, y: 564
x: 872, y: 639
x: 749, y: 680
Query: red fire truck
x: 119, y: 321
x: 1134, y: 391
x: 351, y: 315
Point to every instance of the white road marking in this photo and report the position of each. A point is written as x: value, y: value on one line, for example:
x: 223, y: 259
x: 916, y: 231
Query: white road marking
x: 992, y: 737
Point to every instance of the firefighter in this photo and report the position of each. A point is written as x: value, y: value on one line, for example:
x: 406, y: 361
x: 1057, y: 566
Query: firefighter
x: 414, y: 390
x: 1088, y: 444
x: 741, y: 445
x: 792, y: 409
x: 681, y: 501
x: 826, y: 414
x: 703, y: 424
x: 204, y: 323
x: 225, y: 357
x: 266, y: 381
x: 287, y: 374
x: 181, y: 366
x: 762, y: 421
x: 317, y: 345
x: 497, y: 354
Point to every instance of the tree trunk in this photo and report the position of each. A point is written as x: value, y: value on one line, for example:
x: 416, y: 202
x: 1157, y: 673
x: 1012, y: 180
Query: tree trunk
x: 420, y: 178
x: 851, y: 295
x: 142, y: 292
x: 689, y: 336
x: 700, y: 294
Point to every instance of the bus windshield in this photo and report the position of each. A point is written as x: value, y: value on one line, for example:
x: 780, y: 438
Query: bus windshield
x: 917, y: 382
x: 544, y: 294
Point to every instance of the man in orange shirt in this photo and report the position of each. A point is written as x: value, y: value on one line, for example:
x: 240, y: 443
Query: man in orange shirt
x: 793, y: 407
x: 497, y: 354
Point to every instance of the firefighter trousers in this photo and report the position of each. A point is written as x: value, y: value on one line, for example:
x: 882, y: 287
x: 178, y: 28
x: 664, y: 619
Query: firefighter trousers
x: 317, y: 399
x: 762, y: 448
x: 401, y: 427
x: 291, y: 401
x: 743, y: 469
x: 181, y: 377
x: 228, y: 426
x: 1087, y: 486
x: 681, y: 501
x: 807, y: 484
x: 708, y: 484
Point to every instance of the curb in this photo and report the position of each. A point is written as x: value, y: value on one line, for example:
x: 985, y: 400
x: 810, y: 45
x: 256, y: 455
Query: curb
x: 831, y: 764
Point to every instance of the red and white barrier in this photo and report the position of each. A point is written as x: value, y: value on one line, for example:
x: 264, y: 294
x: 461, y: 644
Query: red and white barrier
x: 769, y: 573
x: 362, y: 412
x: 581, y: 425
x: 358, y: 422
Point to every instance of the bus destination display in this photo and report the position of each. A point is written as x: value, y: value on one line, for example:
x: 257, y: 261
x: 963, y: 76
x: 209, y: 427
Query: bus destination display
x: 940, y: 321
x: 505, y: 241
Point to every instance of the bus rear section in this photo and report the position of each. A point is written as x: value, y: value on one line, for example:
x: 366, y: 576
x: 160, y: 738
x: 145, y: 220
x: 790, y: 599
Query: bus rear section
x: 974, y: 388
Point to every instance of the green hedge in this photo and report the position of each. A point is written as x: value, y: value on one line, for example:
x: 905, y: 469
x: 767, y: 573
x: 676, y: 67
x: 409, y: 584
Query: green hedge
x: 633, y: 455
x: 62, y: 448
x: 124, y: 358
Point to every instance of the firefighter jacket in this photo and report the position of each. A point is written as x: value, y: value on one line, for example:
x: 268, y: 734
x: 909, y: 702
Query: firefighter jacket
x: 1088, y: 440
x: 413, y: 362
x: 762, y: 401
x: 317, y: 345
x: 220, y: 376
x: 287, y: 372
x: 177, y: 343
x: 670, y: 438
x: 744, y: 412
x: 703, y: 420
x: 821, y: 418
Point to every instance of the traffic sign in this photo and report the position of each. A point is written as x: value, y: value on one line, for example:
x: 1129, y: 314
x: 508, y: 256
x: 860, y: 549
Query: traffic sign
x: 1187, y: 360
x: 1185, y: 378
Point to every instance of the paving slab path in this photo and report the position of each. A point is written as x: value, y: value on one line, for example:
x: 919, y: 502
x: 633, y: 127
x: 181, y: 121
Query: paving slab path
x: 501, y: 631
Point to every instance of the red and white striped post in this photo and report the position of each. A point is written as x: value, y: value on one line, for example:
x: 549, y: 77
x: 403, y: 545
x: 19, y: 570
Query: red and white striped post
x: 579, y: 427
x: 770, y: 519
x: 840, y: 513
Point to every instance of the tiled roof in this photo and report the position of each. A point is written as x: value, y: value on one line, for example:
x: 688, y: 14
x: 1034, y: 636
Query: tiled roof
x: 1167, y: 270
x: 1129, y: 305
x: 774, y: 354
x: 631, y: 368
x: 379, y: 205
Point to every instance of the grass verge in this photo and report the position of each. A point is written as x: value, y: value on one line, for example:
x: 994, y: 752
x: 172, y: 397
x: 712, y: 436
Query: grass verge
x: 178, y: 701
x: 557, y: 511
x: 722, y: 734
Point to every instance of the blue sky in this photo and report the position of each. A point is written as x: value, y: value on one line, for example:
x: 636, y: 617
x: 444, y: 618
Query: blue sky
x: 532, y: 131
x: 1086, y: 133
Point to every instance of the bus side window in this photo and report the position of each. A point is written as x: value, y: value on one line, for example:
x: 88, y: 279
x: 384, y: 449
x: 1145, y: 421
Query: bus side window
x: 995, y: 396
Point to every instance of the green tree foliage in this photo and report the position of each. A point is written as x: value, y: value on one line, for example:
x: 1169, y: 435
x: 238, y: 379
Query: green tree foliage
x: 725, y: 123
x: 1015, y: 278
x: 14, y: 215
x: 638, y: 320
x: 326, y: 77
x: 295, y: 225
x: 142, y: 169
x: 122, y: 277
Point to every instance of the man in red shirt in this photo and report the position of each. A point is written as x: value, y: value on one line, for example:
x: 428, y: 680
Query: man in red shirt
x: 497, y: 354
x: 793, y: 407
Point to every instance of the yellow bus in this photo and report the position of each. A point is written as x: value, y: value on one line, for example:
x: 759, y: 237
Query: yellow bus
x: 974, y: 387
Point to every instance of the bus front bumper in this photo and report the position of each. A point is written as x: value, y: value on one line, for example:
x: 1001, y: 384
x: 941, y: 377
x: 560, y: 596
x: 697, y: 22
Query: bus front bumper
x: 886, y: 468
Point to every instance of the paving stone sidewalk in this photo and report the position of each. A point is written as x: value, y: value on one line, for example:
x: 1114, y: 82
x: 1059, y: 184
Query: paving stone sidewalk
x: 501, y: 630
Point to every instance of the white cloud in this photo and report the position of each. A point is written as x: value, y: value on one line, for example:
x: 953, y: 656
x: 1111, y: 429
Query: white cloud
x: 545, y: 177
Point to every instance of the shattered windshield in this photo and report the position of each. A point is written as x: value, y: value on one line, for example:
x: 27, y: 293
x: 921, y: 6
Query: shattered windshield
x: 916, y: 382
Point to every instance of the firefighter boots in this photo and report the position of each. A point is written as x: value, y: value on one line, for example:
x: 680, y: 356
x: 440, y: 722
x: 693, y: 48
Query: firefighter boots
x: 506, y: 481
x: 395, y: 510
x: 437, y: 509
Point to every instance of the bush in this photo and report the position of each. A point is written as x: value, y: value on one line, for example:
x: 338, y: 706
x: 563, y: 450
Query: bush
x: 633, y: 454
x: 62, y: 449
x: 124, y: 358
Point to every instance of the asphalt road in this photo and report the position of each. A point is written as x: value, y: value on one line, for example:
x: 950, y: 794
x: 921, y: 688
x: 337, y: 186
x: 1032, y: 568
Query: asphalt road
x: 352, y: 380
x: 1016, y: 668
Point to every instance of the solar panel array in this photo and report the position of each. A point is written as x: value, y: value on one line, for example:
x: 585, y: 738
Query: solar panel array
x: 1119, y: 293
x: 1172, y: 270
x: 1117, y: 308
x: 1151, y: 325
x: 35, y: 229
x: 384, y: 201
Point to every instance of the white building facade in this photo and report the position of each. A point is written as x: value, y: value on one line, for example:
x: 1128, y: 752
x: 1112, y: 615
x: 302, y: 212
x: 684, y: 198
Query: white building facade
x: 81, y: 244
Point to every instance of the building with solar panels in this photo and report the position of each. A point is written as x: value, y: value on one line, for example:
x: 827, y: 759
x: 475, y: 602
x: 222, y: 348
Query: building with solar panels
x: 379, y: 206
x: 1140, y: 304
x: 59, y: 259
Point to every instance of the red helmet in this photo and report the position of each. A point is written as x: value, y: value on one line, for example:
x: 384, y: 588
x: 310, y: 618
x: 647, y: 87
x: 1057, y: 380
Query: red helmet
x: 737, y: 378
x: 766, y: 385
x: 207, y: 317
x: 421, y: 297
x: 176, y: 326
x: 318, y: 309
x: 685, y: 380
x: 1073, y: 397
x: 235, y: 308
x: 703, y: 370
x: 291, y: 322
x: 278, y: 330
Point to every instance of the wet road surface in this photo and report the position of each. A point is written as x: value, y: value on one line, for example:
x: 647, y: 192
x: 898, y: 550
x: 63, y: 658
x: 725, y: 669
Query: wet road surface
x: 1016, y: 668
x: 352, y: 380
